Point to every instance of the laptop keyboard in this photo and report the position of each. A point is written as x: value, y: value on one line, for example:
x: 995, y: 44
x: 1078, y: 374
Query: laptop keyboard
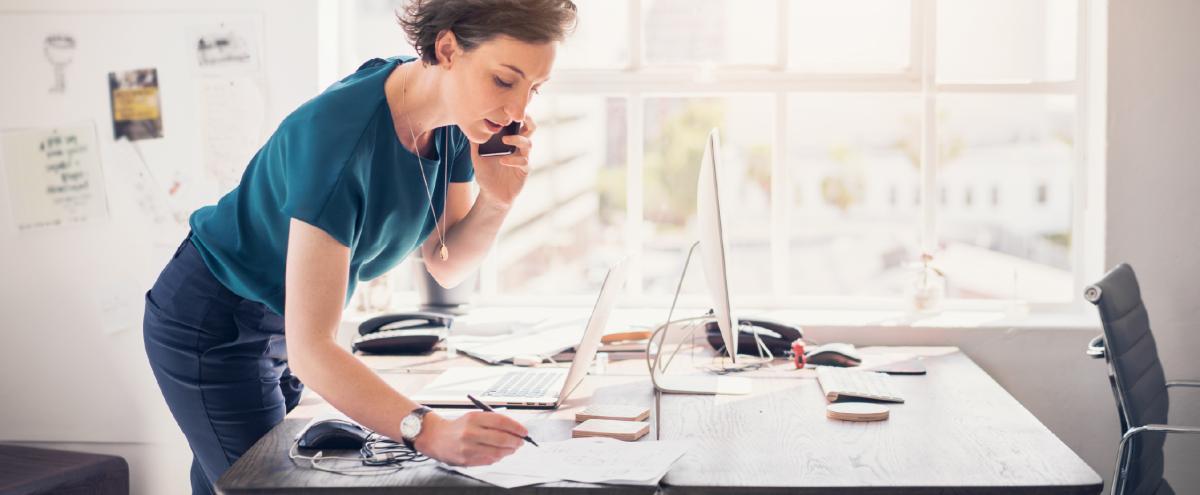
x: 523, y: 384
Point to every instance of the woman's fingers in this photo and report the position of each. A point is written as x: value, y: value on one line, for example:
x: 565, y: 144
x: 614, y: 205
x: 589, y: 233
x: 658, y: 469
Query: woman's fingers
x: 514, y: 161
x: 495, y: 438
x: 528, y: 126
x: 501, y: 422
x: 523, y: 143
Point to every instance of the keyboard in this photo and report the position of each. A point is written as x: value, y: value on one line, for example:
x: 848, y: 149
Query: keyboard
x: 839, y: 382
x: 524, y: 384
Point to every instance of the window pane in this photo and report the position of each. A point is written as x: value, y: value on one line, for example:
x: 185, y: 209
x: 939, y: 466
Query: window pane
x: 368, y: 30
x: 854, y: 161
x: 568, y: 226
x: 1014, y: 240
x: 1022, y: 40
x: 601, y: 38
x: 848, y: 36
x: 741, y: 32
x: 676, y: 133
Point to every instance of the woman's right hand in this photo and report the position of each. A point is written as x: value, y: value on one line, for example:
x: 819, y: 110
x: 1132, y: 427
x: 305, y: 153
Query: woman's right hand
x: 476, y: 438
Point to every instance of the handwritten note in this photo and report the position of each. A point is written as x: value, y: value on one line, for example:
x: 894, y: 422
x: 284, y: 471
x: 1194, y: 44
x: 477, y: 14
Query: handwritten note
x: 53, y: 176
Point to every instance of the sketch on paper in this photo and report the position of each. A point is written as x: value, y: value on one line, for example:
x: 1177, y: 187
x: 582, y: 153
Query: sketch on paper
x: 223, y: 45
x: 233, y: 112
x: 60, y: 52
x: 136, y: 108
x: 53, y: 176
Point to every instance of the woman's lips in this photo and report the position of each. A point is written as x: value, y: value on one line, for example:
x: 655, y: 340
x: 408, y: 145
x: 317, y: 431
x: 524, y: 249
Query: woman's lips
x: 492, y: 126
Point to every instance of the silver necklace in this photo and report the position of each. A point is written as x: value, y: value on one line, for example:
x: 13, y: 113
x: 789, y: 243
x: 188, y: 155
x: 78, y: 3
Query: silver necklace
x: 444, y: 252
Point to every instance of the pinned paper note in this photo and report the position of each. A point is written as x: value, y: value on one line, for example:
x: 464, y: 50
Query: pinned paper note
x: 53, y: 176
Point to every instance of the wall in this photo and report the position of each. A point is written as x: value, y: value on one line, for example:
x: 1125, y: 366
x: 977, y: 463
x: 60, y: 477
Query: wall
x: 64, y: 383
x: 1153, y: 181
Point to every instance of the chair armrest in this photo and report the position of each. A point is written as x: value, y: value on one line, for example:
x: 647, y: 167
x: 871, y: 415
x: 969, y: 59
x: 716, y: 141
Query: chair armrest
x: 1117, y: 479
x: 1095, y: 348
x: 1183, y: 383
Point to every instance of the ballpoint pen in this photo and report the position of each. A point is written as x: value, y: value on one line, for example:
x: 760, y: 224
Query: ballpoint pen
x: 487, y: 408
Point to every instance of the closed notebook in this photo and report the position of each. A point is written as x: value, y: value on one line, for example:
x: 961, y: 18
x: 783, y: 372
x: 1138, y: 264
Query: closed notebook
x: 620, y: 430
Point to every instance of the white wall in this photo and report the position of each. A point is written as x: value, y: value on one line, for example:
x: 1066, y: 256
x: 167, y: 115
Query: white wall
x: 57, y: 355
x: 1154, y: 189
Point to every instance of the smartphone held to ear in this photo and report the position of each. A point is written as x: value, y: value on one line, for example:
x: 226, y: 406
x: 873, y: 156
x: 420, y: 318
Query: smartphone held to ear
x: 495, y: 146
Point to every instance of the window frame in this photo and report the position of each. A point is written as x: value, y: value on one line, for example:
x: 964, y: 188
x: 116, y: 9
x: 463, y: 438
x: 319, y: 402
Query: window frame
x: 638, y: 81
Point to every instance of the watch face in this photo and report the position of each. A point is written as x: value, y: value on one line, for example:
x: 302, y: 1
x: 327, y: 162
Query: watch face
x: 410, y: 426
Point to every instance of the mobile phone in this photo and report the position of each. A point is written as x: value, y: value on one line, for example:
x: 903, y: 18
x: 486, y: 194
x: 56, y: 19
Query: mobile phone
x: 496, y: 147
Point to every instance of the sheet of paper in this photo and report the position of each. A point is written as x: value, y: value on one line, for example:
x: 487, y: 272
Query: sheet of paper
x: 54, y: 176
x: 587, y: 460
x: 233, y: 111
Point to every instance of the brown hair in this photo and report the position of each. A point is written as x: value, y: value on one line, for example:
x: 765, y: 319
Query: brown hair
x: 477, y: 21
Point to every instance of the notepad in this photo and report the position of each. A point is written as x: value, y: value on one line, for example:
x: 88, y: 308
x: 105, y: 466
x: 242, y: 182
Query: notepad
x: 613, y: 411
x: 611, y: 428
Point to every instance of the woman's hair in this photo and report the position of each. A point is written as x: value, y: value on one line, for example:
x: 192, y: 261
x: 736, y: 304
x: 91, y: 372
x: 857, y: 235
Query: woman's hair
x: 477, y: 21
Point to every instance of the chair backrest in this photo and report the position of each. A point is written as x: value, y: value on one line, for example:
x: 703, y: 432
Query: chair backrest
x: 1141, y: 386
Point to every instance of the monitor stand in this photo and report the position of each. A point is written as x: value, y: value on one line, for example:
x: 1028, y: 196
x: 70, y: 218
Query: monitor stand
x: 697, y: 384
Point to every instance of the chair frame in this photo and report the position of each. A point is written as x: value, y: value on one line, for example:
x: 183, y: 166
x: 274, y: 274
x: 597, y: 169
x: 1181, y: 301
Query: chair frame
x: 1097, y: 349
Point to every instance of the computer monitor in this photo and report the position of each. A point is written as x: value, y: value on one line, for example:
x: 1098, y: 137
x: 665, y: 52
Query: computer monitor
x: 713, y: 242
x: 713, y: 245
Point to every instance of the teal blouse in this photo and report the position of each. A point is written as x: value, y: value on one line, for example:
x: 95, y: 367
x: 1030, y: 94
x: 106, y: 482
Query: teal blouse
x: 335, y: 163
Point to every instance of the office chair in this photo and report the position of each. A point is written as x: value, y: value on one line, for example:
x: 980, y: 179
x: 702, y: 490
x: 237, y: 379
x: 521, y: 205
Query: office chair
x: 1137, y: 380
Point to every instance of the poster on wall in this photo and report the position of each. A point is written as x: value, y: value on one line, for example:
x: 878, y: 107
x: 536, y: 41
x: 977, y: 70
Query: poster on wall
x: 136, y: 106
x: 53, y: 176
x: 223, y: 48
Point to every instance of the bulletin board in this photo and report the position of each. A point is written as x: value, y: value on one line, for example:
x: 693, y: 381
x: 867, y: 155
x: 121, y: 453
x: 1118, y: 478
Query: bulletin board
x: 114, y: 127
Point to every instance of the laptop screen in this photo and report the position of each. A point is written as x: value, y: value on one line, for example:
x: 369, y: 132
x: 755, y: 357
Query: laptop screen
x: 586, y: 350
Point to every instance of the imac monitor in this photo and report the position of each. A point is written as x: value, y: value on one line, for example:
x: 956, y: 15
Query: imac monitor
x: 713, y: 243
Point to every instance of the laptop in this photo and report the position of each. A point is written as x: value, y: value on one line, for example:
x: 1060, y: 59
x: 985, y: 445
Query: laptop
x: 529, y: 388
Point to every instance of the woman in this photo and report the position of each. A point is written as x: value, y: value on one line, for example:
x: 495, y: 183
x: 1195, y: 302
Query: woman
x: 347, y: 186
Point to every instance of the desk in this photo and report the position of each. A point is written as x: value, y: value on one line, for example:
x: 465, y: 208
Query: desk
x: 958, y: 432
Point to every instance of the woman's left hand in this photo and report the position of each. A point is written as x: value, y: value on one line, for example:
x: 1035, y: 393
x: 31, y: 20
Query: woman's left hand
x: 501, y: 178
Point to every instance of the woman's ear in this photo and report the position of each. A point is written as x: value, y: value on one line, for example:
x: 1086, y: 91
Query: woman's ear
x: 446, y: 48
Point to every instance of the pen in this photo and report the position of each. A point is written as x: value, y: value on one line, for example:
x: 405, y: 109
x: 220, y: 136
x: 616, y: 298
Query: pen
x: 485, y: 407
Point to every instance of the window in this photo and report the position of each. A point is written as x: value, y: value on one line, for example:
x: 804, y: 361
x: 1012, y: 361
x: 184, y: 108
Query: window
x: 860, y: 135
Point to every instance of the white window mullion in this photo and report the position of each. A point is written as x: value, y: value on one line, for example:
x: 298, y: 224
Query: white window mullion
x: 782, y: 40
x: 634, y: 189
x: 634, y: 156
x: 781, y: 200
x: 929, y: 148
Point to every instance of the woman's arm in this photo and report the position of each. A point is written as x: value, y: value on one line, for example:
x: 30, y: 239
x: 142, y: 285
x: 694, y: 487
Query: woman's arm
x: 471, y: 223
x: 316, y: 278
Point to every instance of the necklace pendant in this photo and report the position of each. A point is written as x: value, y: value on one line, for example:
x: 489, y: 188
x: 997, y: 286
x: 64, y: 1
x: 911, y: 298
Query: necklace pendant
x: 444, y: 253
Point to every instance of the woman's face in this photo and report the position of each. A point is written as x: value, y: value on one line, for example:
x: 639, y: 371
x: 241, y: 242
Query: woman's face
x: 491, y: 86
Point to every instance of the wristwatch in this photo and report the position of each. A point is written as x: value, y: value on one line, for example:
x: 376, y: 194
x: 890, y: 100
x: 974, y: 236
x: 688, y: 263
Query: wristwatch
x: 410, y: 426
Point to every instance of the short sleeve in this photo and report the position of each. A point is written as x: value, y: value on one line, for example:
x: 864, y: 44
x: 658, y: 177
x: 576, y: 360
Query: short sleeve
x: 321, y: 186
x: 462, y: 169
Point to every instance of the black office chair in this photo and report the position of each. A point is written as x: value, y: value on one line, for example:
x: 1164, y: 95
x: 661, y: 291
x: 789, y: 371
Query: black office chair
x: 1137, y: 381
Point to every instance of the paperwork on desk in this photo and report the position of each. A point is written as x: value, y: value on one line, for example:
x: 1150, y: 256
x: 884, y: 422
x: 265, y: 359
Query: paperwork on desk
x: 586, y: 460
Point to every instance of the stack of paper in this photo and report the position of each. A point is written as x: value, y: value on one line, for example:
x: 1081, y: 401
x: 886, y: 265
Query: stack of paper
x: 587, y: 460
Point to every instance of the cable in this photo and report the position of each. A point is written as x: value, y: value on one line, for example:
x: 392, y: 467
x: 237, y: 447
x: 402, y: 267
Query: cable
x: 379, y: 455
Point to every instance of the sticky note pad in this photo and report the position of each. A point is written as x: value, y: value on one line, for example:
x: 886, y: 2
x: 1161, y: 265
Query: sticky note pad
x: 613, y: 411
x: 620, y: 430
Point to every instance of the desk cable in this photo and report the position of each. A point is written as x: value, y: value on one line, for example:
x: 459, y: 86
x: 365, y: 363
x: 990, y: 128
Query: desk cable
x: 379, y: 455
x: 764, y: 353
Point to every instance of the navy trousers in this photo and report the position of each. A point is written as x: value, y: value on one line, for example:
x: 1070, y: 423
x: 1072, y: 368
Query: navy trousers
x: 220, y: 361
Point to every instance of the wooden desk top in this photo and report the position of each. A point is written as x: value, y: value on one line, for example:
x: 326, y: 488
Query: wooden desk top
x: 958, y: 432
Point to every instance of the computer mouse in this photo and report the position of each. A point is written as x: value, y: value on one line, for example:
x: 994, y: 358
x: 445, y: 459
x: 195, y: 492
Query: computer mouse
x: 834, y: 354
x: 333, y: 434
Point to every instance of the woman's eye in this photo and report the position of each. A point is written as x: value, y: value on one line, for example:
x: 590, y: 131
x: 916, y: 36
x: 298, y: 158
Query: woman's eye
x: 502, y: 83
